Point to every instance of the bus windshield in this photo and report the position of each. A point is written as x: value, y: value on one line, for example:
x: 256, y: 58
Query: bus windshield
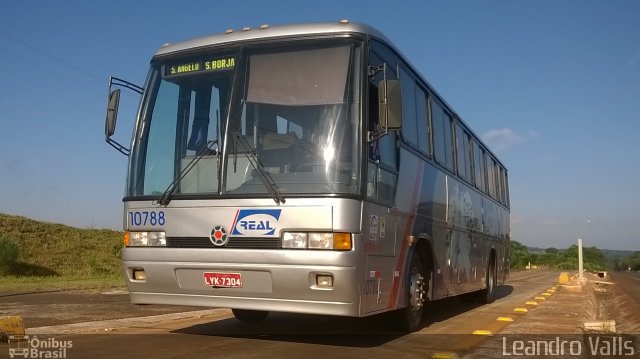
x: 295, y: 108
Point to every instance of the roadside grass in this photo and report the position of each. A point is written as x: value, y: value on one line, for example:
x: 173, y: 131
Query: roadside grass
x: 54, y: 256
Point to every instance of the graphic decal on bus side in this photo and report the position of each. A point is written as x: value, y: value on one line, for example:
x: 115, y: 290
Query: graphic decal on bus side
x: 255, y: 222
x: 373, y: 228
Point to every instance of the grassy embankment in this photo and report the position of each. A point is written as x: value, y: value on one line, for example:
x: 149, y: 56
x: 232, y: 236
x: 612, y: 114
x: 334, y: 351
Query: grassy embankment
x: 54, y: 256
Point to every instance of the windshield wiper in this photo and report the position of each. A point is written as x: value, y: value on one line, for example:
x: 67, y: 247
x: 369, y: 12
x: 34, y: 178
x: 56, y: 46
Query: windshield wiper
x: 265, y: 177
x: 166, y: 196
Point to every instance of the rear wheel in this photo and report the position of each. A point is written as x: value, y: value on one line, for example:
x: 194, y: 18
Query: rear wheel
x: 250, y: 316
x: 417, y: 287
x: 488, y: 295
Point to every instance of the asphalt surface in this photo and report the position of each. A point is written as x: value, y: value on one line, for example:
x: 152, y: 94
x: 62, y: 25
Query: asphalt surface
x: 66, y: 307
x: 622, y: 301
x: 215, y: 333
x: 448, y: 328
x: 44, y: 309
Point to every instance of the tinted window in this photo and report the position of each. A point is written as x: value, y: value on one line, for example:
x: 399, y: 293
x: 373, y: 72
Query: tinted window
x: 466, y: 143
x: 506, y: 188
x: 409, y: 123
x: 448, y: 141
x: 461, y: 158
x: 478, y: 165
x: 503, y: 185
x: 424, y: 135
x: 442, y: 141
x: 491, y: 177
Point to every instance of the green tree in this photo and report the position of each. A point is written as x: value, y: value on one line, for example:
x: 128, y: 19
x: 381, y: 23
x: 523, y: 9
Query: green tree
x: 8, y: 255
x: 520, y: 255
x: 592, y: 257
x: 631, y: 262
x: 552, y: 250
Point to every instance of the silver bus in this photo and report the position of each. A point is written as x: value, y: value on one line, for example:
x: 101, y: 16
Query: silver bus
x: 308, y: 169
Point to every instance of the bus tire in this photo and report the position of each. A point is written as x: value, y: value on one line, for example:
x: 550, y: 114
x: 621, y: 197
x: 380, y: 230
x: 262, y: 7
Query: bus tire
x: 417, y: 287
x: 250, y: 316
x: 488, y: 295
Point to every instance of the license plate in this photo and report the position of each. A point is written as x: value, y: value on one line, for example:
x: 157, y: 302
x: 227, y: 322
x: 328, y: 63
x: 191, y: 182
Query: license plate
x: 222, y: 280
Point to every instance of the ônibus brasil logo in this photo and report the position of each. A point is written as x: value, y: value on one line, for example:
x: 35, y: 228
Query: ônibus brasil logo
x: 23, y: 346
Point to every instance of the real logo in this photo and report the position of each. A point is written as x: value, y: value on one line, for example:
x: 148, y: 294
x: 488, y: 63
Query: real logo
x: 255, y: 222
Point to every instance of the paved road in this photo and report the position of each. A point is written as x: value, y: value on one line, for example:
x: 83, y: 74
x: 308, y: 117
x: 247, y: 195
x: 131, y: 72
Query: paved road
x: 623, y: 301
x: 629, y: 282
x: 448, y: 329
x: 65, y: 307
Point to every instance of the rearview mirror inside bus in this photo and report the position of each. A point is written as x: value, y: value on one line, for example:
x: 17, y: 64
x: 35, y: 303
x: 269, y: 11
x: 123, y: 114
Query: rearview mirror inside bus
x: 112, y: 113
x: 390, y: 105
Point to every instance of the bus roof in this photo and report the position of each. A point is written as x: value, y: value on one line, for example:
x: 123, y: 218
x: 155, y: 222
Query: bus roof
x: 271, y: 32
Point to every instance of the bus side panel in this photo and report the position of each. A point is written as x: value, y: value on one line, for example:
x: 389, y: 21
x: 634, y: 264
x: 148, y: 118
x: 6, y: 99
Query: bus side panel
x: 422, y: 211
x: 432, y: 213
x: 461, y: 226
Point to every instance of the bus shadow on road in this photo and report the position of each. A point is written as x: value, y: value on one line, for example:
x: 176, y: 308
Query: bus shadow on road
x: 303, y: 328
x: 445, y: 309
x: 365, y: 332
x: 503, y: 291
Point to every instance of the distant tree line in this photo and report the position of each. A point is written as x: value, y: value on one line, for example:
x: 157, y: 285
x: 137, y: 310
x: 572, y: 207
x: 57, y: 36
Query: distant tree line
x: 553, y: 258
x: 630, y: 262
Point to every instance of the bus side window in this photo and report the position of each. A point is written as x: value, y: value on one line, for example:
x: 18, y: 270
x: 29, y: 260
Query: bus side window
x: 461, y: 158
x: 491, y: 177
x: 506, y: 189
x: 382, y: 172
x: 442, y: 136
x: 409, y: 121
x: 478, y: 165
x: 463, y: 151
x: 422, y: 112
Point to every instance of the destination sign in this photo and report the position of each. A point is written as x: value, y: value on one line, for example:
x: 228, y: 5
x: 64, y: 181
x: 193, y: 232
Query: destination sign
x: 205, y: 65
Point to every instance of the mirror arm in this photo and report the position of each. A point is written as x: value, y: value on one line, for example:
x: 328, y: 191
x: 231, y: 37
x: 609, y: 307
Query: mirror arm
x: 125, y: 151
x: 112, y: 111
x: 373, y: 70
x: 375, y: 135
x: 114, y: 81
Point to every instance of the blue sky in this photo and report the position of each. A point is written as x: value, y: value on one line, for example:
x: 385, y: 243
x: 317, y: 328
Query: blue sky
x: 552, y: 86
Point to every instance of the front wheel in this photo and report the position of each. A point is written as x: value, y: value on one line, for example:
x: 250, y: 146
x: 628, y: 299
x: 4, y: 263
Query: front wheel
x: 249, y: 316
x: 417, y: 286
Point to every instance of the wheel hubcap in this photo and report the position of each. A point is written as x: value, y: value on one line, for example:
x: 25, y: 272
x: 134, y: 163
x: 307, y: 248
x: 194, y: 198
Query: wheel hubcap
x: 417, y: 290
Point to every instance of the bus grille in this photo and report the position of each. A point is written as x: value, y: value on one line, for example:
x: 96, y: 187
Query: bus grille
x: 205, y: 242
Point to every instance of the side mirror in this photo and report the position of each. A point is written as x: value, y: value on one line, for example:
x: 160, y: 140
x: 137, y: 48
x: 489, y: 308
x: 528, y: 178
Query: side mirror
x: 112, y: 113
x: 390, y: 110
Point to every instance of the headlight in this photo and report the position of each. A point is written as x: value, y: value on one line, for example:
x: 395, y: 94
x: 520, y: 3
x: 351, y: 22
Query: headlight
x: 321, y: 240
x: 303, y: 240
x: 145, y: 239
x: 294, y: 240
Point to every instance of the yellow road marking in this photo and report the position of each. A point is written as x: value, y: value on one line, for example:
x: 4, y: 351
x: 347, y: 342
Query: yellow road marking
x: 12, y: 324
x: 482, y: 332
x: 444, y: 356
x: 505, y: 319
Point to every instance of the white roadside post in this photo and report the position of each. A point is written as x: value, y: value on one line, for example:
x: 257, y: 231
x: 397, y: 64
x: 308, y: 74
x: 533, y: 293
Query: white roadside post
x: 580, y: 263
